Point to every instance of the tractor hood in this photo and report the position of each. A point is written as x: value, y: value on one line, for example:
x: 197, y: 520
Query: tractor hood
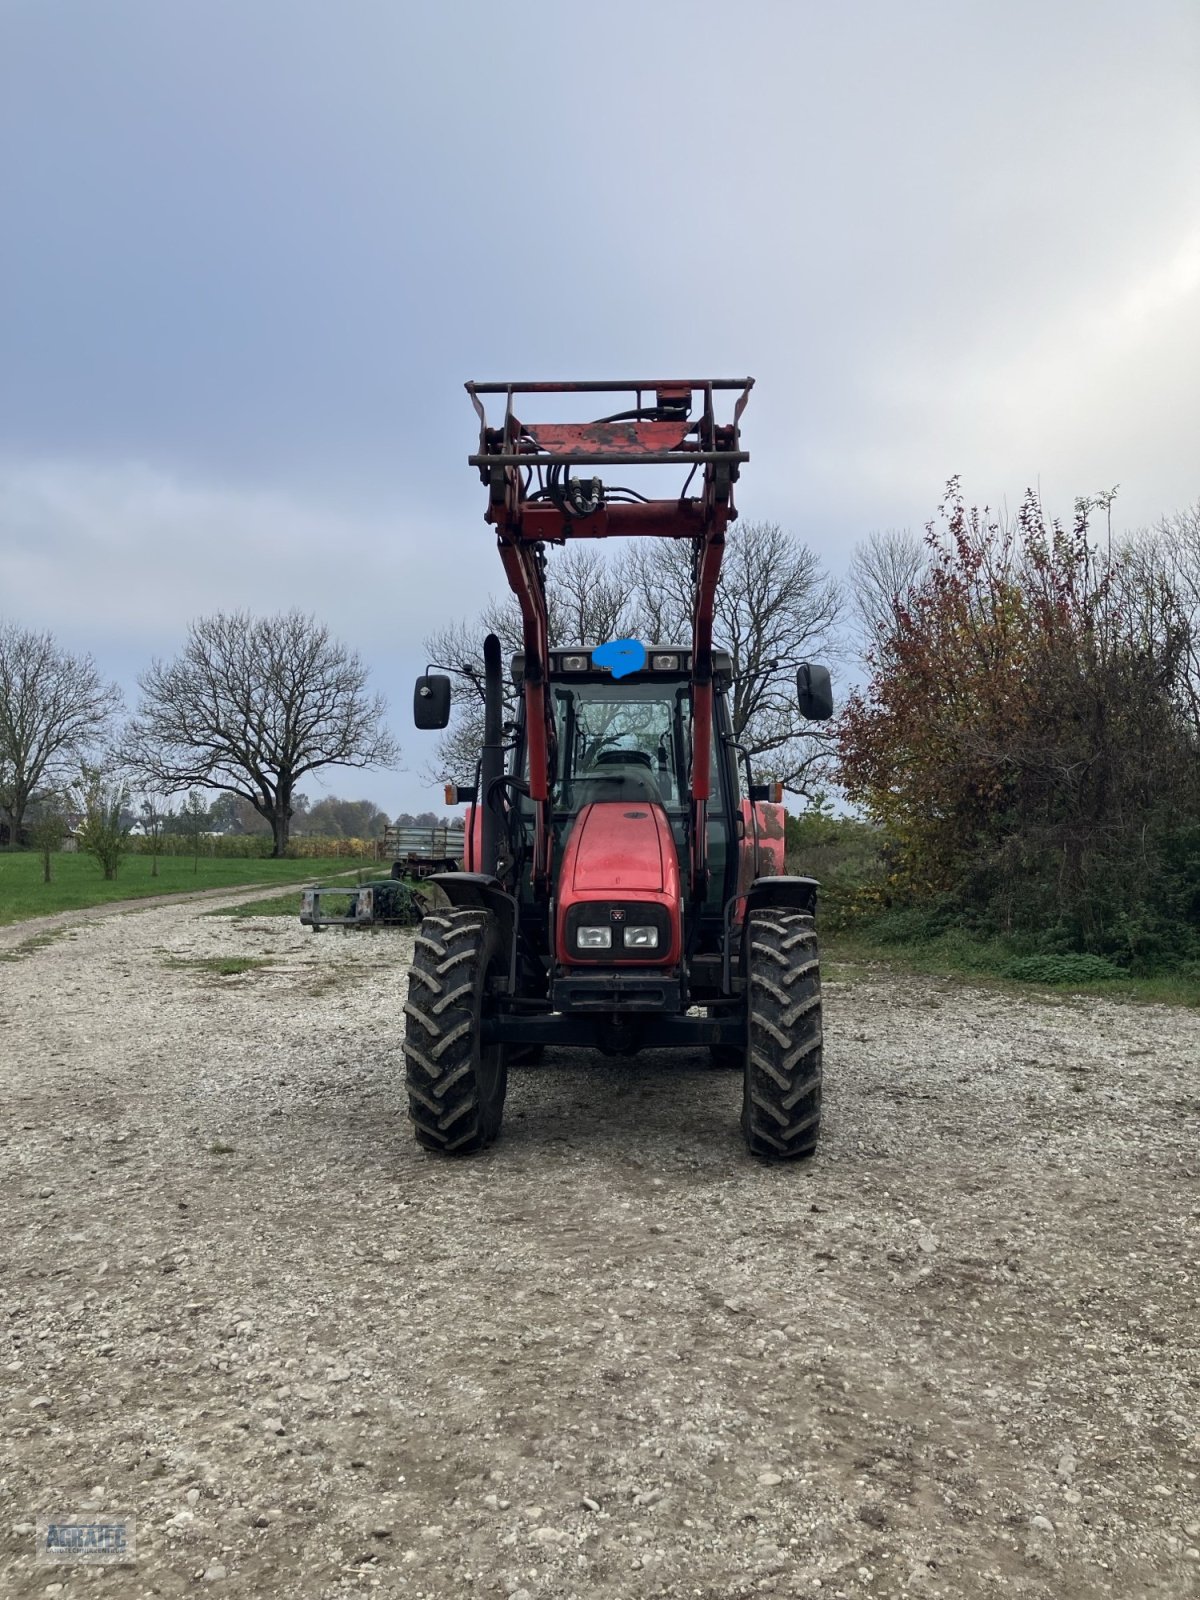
x: 620, y: 860
x: 618, y: 848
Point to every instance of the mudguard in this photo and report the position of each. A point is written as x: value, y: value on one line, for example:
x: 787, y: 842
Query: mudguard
x: 479, y: 889
x: 794, y: 894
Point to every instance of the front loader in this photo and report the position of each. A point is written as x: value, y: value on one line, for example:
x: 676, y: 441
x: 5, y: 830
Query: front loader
x: 623, y: 882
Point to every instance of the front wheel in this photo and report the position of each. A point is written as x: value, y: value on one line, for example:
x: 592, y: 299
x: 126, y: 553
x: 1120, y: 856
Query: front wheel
x: 781, y: 1104
x: 456, y: 1086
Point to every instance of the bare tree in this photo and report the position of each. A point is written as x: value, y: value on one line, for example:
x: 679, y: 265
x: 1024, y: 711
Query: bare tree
x: 775, y: 608
x: 1168, y: 558
x: 49, y: 829
x: 459, y: 646
x: 195, y: 819
x: 153, y: 813
x: 884, y: 570
x: 54, y: 709
x: 250, y: 706
x: 586, y: 603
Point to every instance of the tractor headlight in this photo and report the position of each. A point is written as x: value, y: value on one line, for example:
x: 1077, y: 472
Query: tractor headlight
x: 593, y: 938
x: 575, y: 663
x: 641, y: 937
x: 665, y: 663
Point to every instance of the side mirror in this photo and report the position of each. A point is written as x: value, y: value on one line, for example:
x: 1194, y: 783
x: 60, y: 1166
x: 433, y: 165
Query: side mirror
x: 814, y: 692
x: 431, y: 701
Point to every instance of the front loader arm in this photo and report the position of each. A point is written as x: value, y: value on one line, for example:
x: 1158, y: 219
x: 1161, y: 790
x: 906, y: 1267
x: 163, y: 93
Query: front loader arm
x: 533, y: 501
x: 524, y: 566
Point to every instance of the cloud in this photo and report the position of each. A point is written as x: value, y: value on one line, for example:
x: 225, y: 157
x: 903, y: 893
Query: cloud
x: 128, y: 552
x: 1090, y: 384
x: 116, y: 557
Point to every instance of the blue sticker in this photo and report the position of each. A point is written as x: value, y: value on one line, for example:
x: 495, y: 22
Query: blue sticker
x: 622, y: 655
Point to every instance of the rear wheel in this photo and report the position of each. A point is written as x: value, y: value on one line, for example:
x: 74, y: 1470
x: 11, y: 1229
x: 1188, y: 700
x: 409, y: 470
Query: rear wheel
x: 456, y: 1086
x: 781, y: 1106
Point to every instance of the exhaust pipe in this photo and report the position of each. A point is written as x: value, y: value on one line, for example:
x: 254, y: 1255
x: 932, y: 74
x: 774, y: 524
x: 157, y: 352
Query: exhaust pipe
x: 491, y: 765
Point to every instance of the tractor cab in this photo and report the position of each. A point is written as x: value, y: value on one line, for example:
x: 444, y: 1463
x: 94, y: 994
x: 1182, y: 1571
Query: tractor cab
x: 625, y: 740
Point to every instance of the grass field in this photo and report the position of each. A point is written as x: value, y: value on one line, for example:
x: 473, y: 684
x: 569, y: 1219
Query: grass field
x: 954, y: 956
x: 78, y: 881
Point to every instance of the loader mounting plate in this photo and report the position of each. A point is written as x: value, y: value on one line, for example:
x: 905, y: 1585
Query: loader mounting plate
x: 383, y: 903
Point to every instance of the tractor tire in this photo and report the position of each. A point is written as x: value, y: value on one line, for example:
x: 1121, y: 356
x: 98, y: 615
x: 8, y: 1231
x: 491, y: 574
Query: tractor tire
x: 456, y: 1087
x: 781, y: 1106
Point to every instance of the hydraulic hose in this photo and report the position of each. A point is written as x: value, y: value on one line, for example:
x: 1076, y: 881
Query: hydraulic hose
x: 492, y: 757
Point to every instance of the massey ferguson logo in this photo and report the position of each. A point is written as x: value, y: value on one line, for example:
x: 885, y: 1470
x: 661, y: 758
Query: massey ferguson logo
x: 616, y: 916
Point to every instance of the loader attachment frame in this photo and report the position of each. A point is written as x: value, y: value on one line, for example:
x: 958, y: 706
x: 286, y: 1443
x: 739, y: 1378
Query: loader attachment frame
x: 534, y: 501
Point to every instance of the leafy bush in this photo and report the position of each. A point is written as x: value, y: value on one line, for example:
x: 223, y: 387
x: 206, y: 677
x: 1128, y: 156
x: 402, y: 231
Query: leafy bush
x: 104, y: 831
x: 1064, y: 969
x: 912, y: 924
x: 1028, y: 742
x: 846, y: 858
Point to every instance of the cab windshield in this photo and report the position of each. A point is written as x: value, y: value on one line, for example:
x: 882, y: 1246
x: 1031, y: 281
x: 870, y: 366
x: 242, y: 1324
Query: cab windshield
x: 621, y: 744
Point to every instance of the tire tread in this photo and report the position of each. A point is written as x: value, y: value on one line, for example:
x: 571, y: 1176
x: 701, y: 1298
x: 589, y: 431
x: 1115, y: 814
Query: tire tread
x: 781, y: 1110
x: 453, y: 952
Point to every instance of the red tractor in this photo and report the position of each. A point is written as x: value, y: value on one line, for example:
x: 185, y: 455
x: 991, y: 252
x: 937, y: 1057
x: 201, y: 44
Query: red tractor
x: 622, y: 887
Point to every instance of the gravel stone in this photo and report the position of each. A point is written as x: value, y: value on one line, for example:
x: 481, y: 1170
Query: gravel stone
x: 612, y: 1318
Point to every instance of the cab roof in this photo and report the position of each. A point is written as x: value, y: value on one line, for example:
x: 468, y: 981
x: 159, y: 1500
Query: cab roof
x: 680, y: 667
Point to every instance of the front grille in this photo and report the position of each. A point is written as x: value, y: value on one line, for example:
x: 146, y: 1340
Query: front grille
x: 617, y: 915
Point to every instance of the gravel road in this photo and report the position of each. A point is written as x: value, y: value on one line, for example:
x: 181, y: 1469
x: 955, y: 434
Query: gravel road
x: 956, y: 1355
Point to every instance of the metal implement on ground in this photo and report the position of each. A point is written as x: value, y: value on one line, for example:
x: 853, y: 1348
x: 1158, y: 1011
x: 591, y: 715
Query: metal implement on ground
x: 382, y: 903
x: 623, y: 884
x: 416, y: 853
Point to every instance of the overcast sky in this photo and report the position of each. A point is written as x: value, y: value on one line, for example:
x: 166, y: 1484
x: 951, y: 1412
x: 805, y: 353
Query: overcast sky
x: 251, y: 249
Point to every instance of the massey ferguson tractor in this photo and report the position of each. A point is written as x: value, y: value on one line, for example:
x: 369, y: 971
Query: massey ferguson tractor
x: 623, y: 882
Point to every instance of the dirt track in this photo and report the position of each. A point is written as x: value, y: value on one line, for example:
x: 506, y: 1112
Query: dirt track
x: 957, y: 1355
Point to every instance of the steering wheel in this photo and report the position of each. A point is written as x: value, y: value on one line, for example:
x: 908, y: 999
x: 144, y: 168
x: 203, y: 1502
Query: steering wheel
x: 600, y: 746
x: 622, y: 757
